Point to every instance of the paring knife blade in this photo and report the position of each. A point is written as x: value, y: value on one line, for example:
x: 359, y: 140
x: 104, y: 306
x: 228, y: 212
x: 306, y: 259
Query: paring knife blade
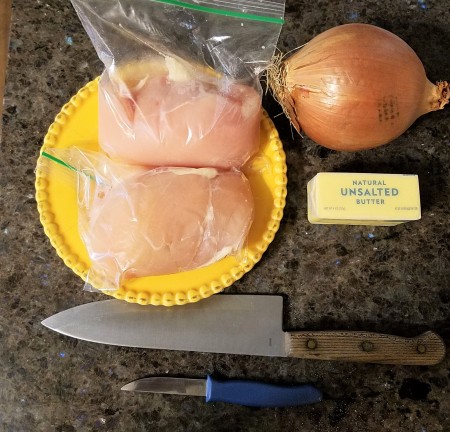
x: 236, y: 324
x: 241, y: 392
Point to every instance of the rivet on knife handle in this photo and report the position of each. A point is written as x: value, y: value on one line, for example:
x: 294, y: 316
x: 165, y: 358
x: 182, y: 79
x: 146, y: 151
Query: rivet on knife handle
x: 426, y: 349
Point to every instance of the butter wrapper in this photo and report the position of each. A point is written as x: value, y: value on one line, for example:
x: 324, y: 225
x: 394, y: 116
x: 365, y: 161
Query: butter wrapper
x: 363, y: 199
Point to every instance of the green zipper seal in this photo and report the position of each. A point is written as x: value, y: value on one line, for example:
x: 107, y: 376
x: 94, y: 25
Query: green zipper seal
x: 59, y: 161
x: 223, y: 12
x: 64, y: 164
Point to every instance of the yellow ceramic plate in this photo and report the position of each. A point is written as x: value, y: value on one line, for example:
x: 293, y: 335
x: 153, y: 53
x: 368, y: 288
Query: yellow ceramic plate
x: 76, y: 125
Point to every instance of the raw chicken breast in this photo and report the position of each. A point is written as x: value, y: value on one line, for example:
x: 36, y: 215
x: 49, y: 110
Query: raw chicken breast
x: 184, y: 122
x: 167, y: 220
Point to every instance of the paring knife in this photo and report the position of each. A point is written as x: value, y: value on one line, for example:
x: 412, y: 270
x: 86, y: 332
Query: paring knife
x: 236, y: 324
x: 248, y: 393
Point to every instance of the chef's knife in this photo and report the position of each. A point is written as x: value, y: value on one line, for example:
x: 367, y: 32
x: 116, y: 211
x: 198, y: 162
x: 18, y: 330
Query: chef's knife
x: 248, y: 393
x: 236, y: 324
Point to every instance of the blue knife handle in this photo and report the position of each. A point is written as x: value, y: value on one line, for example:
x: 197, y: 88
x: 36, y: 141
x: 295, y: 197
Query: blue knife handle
x: 257, y: 394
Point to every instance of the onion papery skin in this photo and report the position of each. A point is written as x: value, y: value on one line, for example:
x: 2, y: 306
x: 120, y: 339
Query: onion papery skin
x: 355, y: 87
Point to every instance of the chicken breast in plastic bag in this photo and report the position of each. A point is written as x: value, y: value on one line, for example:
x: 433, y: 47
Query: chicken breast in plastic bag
x: 173, y: 121
x: 168, y: 220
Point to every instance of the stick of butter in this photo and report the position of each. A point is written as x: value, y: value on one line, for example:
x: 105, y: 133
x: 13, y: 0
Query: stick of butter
x: 363, y: 199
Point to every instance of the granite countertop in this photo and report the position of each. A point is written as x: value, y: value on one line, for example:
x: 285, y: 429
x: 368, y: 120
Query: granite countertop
x: 387, y: 279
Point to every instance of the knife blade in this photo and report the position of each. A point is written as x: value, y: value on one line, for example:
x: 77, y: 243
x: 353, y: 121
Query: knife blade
x: 241, y: 392
x: 236, y: 324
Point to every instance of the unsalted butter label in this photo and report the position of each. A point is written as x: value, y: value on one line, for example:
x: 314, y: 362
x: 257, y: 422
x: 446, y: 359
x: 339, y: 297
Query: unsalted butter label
x: 363, y: 199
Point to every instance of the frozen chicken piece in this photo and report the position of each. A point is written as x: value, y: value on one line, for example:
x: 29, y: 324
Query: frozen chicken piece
x: 178, y: 120
x: 168, y: 220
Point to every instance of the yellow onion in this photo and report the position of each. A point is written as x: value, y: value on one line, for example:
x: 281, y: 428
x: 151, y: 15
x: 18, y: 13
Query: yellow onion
x: 354, y: 87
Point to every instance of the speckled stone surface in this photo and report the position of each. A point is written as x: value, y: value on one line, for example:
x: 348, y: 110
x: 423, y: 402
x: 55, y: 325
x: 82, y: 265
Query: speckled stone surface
x: 393, y: 280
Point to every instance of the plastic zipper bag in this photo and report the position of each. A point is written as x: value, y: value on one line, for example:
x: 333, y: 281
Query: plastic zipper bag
x: 181, y: 81
x: 137, y: 222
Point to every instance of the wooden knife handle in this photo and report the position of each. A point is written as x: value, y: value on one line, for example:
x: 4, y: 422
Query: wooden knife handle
x: 426, y: 349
